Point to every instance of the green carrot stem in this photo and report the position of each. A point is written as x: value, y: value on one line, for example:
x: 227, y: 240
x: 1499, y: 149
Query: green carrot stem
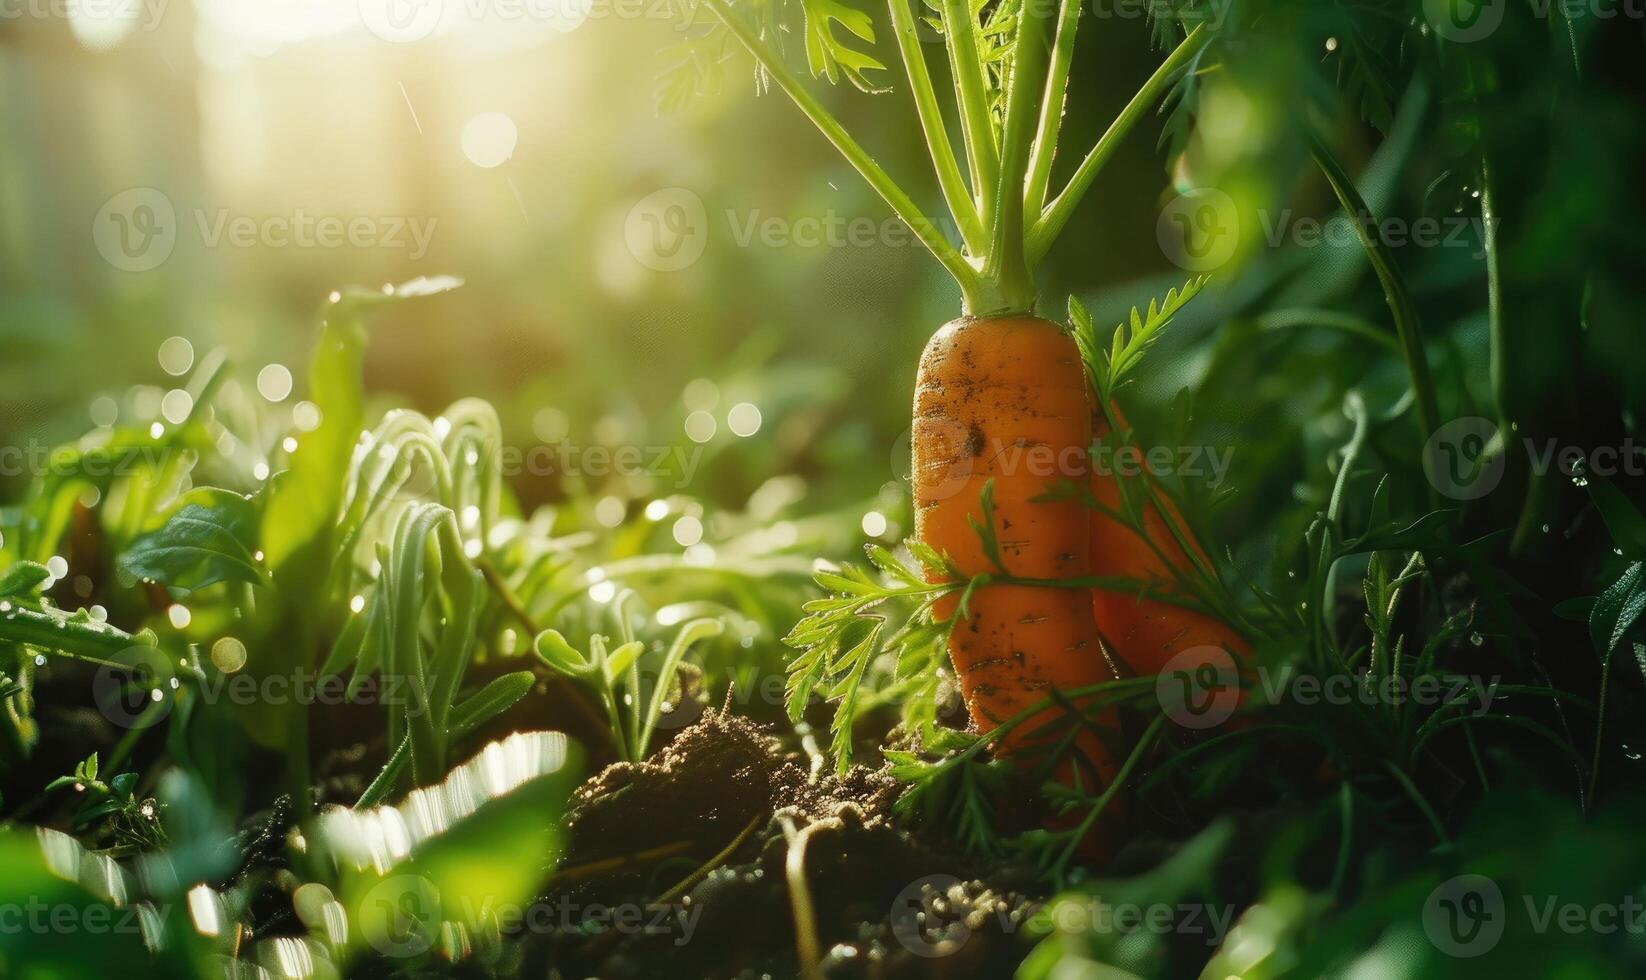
x: 949, y: 178
x: 960, y: 27
x: 1407, y: 327
x: 1051, y: 107
x: 976, y: 292
x: 1007, y: 261
x: 1057, y: 214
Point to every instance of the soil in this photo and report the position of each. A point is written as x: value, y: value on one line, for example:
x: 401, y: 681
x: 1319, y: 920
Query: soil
x: 716, y: 811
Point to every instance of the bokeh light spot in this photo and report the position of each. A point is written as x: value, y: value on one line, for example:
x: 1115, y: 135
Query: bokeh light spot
x: 489, y: 139
x: 743, y: 419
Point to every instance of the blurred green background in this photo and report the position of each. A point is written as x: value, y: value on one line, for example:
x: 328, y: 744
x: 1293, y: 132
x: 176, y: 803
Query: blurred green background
x: 240, y: 112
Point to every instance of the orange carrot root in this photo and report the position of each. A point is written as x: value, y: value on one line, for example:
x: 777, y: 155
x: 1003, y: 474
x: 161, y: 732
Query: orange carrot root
x: 1006, y: 399
x: 1147, y: 633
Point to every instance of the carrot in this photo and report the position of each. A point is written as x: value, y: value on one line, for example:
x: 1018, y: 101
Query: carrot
x: 1146, y: 633
x: 1001, y: 394
x: 1006, y: 399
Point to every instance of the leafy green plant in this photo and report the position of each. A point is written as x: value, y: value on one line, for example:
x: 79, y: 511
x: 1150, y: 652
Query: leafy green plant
x: 1010, y: 65
x: 133, y: 821
x: 613, y: 676
x: 1111, y: 366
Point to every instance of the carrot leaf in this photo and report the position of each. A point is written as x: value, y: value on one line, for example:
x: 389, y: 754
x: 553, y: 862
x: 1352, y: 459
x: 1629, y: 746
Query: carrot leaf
x: 842, y: 636
x: 830, y: 56
x: 1110, y: 366
x: 984, y: 527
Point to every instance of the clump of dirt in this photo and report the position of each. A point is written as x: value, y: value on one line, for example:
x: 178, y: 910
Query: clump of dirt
x: 681, y: 866
x: 700, y: 791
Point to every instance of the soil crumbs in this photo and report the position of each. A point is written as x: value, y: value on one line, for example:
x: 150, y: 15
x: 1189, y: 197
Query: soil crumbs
x: 680, y: 866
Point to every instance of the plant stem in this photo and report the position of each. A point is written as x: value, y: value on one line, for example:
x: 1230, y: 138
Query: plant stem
x: 1051, y: 107
x: 689, y: 882
x: 1007, y: 262
x: 1600, y: 724
x: 1114, y: 786
x: 974, y: 289
x: 949, y: 177
x: 383, y: 784
x: 506, y: 595
x: 1407, y: 326
x: 697, y: 629
x: 58, y: 633
x: 970, y: 92
x: 1057, y: 214
x: 1417, y: 797
x: 575, y: 695
x: 1301, y: 317
x: 807, y: 947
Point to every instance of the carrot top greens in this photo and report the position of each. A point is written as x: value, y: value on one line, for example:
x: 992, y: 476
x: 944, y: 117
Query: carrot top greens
x: 1010, y: 64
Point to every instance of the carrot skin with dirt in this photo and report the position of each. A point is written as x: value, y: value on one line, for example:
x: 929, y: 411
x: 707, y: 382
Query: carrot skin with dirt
x: 1006, y: 399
